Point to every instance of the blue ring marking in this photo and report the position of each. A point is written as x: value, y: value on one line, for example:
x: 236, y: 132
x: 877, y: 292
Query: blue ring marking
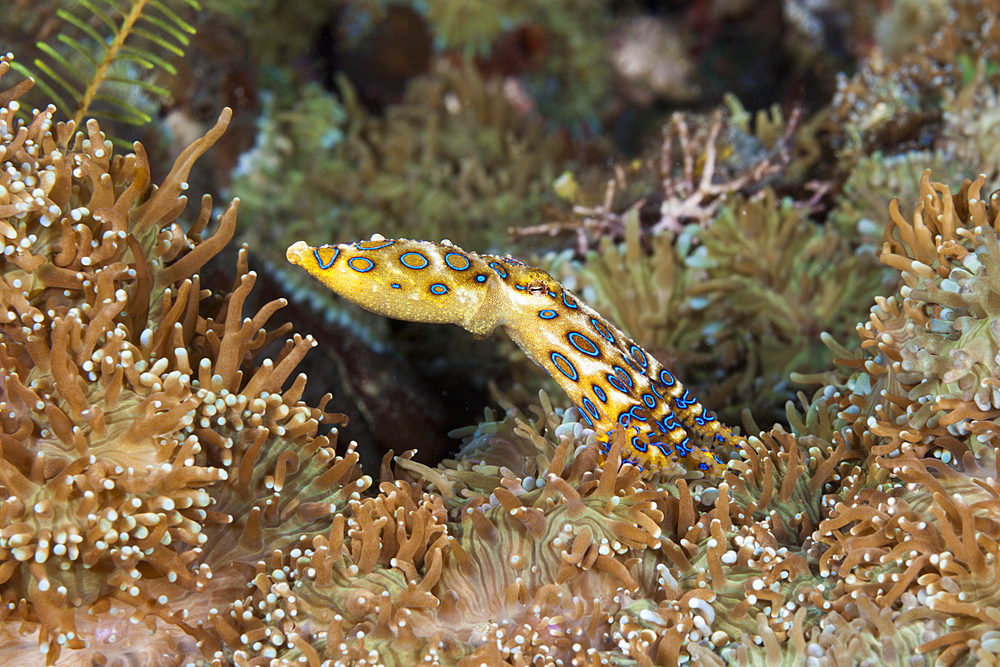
x: 520, y: 287
x: 583, y: 344
x: 682, y: 447
x: 669, y: 424
x: 589, y: 406
x: 571, y: 373
x: 396, y: 286
x: 369, y: 267
x: 603, y: 330
x: 438, y: 289
x: 552, y: 294
x: 703, y: 466
x: 649, y: 401
x: 652, y: 386
x: 636, y: 412
x: 720, y: 439
x: 461, y: 257
x: 700, y: 421
x: 599, y: 393
x: 667, y: 379
x: 481, y: 278
x: 639, y: 356
x: 548, y: 314
x: 623, y: 375
x: 625, y: 419
x: 685, y: 400
x: 632, y: 364
x: 420, y: 262
x: 361, y: 245
x: 638, y: 444
x: 666, y: 451
x: 586, y: 417
x: 570, y: 303
x: 616, y: 383
x: 496, y: 266
x: 319, y: 260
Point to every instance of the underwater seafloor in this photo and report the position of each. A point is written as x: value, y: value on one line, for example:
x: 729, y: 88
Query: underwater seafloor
x: 208, y: 459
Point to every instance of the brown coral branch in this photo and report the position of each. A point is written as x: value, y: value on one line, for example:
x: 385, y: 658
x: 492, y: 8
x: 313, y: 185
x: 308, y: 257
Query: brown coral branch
x: 152, y: 213
x: 196, y: 258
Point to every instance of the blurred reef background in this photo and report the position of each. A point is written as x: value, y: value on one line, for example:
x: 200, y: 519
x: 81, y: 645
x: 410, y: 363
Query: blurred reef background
x: 788, y: 202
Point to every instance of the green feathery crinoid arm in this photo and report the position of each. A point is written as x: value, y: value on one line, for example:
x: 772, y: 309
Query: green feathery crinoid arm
x: 614, y: 383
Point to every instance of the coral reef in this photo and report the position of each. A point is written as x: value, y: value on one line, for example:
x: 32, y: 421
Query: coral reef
x: 865, y: 535
x: 572, y: 81
x: 142, y: 446
x: 862, y: 209
x: 697, y: 166
x: 738, y: 297
x: 921, y: 405
x: 650, y: 56
x: 970, y: 136
x: 896, y: 104
x: 453, y: 160
x: 166, y: 497
x: 765, y: 295
x: 737, y: 305
x: 908, y: 23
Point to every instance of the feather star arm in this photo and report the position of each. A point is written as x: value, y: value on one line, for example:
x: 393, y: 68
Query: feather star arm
x: 613, y: 382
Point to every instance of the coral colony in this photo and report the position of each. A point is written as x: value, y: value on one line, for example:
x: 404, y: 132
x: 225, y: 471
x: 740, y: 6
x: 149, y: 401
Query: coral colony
x: 167, y: 497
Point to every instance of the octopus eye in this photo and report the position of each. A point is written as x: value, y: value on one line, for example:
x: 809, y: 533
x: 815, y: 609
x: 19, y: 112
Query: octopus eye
x: 537, y: 288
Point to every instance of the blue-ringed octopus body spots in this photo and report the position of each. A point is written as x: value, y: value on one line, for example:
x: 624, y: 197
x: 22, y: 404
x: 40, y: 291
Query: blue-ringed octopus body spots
x: 614, y: 383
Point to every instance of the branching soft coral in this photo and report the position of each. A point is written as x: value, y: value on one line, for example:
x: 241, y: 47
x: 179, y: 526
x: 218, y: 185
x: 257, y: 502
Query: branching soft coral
x: 920, y: 537
x: 146, y: 457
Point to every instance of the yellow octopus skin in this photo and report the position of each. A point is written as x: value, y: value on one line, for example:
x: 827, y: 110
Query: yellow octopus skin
x: 613, y: 382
